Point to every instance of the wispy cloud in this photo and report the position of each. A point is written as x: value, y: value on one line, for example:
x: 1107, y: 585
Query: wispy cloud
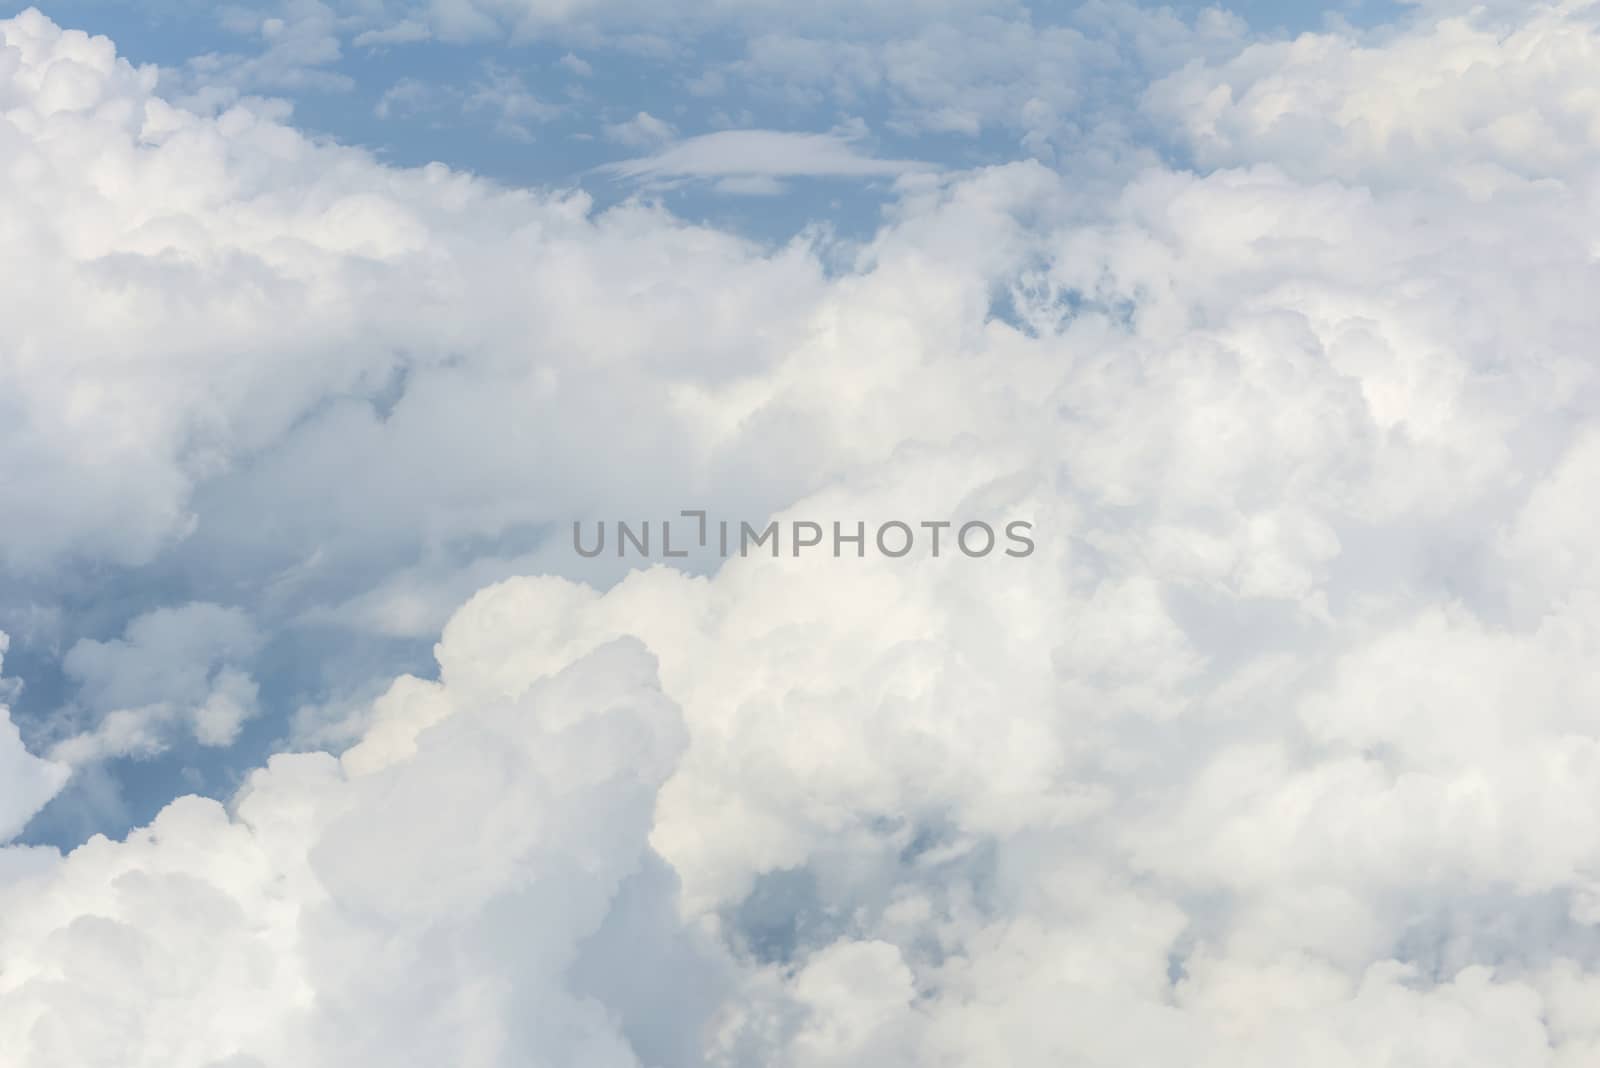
x: 733, y: 154
x: 641, y: 131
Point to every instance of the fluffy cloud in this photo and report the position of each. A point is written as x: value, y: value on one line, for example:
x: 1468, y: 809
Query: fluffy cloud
x: 175, y: 668
x: 1480, y: 97
x: 231, y: 320
x: 1279, y: 748
x: 338, y: 916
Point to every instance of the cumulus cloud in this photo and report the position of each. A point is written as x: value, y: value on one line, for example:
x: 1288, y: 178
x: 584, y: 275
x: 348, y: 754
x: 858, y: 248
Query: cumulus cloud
x: 333, y: 898
x: 1478, y: 97
x: 175, y: 669
x: 1279, y: 749
x: 221, y: 334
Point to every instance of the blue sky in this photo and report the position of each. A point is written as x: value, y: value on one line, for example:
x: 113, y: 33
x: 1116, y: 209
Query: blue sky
x: 342, y: 97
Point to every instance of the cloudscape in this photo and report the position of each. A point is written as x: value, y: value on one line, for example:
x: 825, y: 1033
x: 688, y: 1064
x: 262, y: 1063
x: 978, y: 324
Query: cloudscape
x: 729, y: 534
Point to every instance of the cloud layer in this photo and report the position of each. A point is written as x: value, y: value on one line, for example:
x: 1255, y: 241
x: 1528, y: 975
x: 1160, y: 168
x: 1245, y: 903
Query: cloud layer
x: 1280, y: 749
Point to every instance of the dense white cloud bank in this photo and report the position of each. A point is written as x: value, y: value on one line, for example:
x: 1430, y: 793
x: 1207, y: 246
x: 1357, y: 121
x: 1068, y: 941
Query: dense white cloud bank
x: 277, y: 935
x: 1281, y: 749
x: 1479, y: 97
x: 200, y: 287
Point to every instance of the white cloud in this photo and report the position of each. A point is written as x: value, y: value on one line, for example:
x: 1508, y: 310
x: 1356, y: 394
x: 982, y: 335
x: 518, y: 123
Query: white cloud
x: 406, y: 31
x: 1280, y: 748
x: 763, y: 154
x: 1063, y: 79
x: 1469, y: 98
x: 222, y: 299
x: 644, y: 129
x: 321, y: 903
x: 297, y: 49
x: 499, y: 95
x: 174, y: 669
x: 1059, y: 79
x: 505, y: 96
x: 406, y: 97
x: 750, y: 185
